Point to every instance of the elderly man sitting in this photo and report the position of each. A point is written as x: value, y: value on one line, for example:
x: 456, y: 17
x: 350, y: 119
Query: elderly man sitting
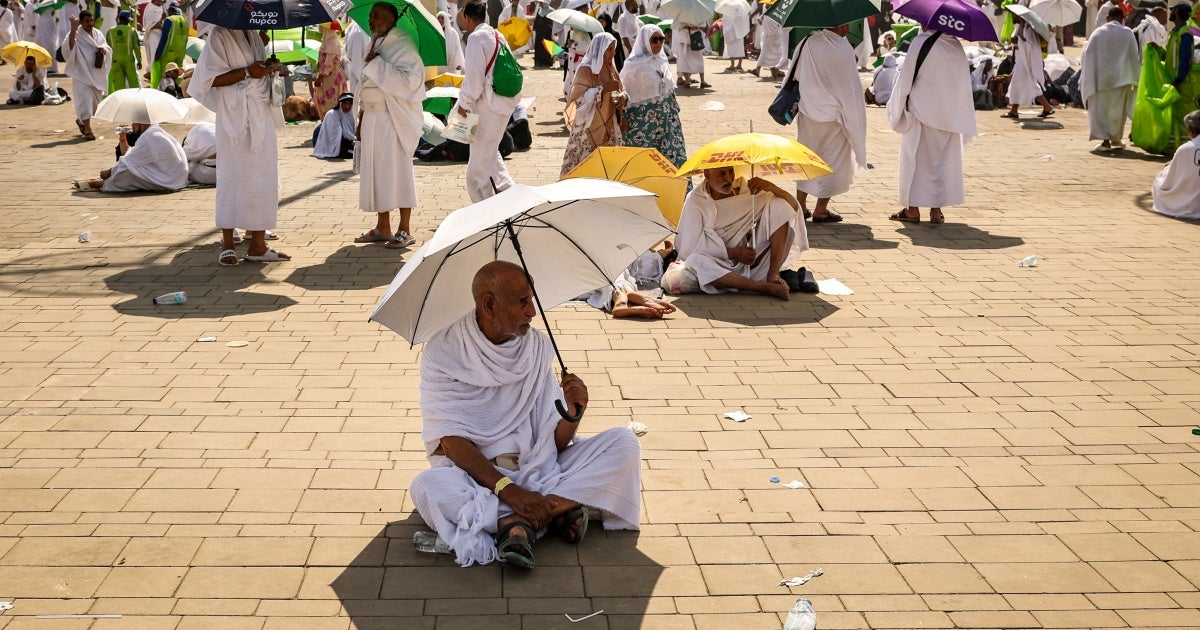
x: 1176, y: 188
x: 504, y: 461
x: 156, y: 163
x: 335, y: 136
x: 733, y: 237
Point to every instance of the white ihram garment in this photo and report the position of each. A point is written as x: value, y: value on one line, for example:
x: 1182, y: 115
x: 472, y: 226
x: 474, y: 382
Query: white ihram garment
x: 1109, y: 77
x: 501, y: 399
x: 708, y: 226
x: 200, y: 147
x: 687, y: 61
x: 1150, y: 31
x: 355, y: 48
x: 248, y: 168
x: 390, y: 94
x: 1028, y: 73
x: 772, y: 44
x: 151, y: 36
x: 23, y: 85
x: 156, y: 162
x: 734, y: 29
x: 46, y: 35
x: 335, y: 127
x: 1176, y: 188
x: 8, y: 27
x: 485, y: 167
x: 89, y: 82
x: 832, y: 119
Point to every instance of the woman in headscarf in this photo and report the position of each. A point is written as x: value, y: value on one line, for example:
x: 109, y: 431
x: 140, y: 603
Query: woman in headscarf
x: 456, y: 61
x: 652, y: 112
x: 330, y: 82
x: 607, y: 23
x: 597, y: 97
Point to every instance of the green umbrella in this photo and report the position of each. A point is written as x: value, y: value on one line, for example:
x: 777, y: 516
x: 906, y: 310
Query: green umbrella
x: 821, y: 13
x: 416, y: 21
x: 440, y: 100
x: 854, y: 37
x: 649, y: 19
x: 297, y: 55
x: 51, y: 5
x: 195, y: 46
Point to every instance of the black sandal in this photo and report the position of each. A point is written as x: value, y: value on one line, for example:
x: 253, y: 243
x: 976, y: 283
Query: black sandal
x: 902, y: 215
x: 1046, y: 114
x: 515, y: 548
x: 561, y: 525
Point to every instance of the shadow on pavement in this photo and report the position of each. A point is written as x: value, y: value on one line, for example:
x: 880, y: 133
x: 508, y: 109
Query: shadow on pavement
x: 845, y: 236
x: 353, y: 267
x: 59, y: 143
x: 956, y: 236
x: 390, y: 585
x: 1131, y: 154
x: 213, y: 291
x: 1040, y: 125
x: 755, y: 310
x: 325, y: 181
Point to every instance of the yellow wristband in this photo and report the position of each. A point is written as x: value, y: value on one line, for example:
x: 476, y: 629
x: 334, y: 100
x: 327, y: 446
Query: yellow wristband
x: 503, y: 483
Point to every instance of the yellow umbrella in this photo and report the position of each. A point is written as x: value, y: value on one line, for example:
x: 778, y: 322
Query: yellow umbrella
x: 644, y: 168
x: 766, y: 154
x: 16, y: 52
x: 448, y: 79
x: 516, y: 30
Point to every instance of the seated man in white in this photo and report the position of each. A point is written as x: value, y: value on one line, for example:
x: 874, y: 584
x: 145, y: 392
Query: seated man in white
x: 156, y: 163
x: 336, y: 134
x: 736, y: 236
x: 28, y: 80
x: 200, y: 147
x: 1176, y: 188
x: 504, y: 462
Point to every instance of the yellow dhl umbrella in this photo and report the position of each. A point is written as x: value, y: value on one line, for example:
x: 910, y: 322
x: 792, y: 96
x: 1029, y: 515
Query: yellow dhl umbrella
x: 766, y: 154
x: 644, y: 168
x: 516, y: 30
x: 16, y: 52
x: 448, y: 79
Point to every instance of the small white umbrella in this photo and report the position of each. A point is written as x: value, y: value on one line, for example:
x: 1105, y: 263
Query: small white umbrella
x: 576, y: 19
x: 140, y: 105
x: 1057, y: 12
x: 196, y: 113
x: 694, y: 12
x: 732, y: 8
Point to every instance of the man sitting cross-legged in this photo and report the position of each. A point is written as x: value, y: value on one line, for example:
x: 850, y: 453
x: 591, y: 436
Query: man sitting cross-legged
x: 504, y: 462
x: 156, y: 163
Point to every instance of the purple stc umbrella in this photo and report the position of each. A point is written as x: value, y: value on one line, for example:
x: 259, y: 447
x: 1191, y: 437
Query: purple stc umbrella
x: 961, y: 19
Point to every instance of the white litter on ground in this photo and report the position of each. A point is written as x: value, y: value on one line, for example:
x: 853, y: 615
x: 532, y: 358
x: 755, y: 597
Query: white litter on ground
x: 798, y: 581
x: 833, y: 286
x: 713, y: 106
x: 574, y: 620
x: 738, y: 416
x: 638, y: 428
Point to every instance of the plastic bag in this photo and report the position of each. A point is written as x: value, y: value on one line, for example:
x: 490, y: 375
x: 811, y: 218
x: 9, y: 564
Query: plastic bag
x: 1152, y: 111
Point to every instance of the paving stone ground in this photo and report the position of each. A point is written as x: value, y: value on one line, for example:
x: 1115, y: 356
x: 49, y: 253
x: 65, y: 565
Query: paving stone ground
x: 982, y: 446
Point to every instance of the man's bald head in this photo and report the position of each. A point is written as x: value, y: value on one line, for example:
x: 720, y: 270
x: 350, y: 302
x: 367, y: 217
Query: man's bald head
x: 504, y: 304
x: 496, y: 278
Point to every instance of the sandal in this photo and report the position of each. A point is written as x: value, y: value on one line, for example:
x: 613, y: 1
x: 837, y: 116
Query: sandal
x: 1012, y: 116
x: 226, y: 255
x: 79, y: 123
x: 268, y: 256
x: 830, y: 217
x: 1046, y: 114
x: 515, y: 548
x: 902, y: 215
x: 578, y: 517
x: 704, y: 85
x: 936, y: 220
x: 372, y: 236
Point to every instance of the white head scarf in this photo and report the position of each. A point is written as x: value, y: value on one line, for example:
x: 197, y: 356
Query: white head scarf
x: 594, y: 58
x: 647, y: 76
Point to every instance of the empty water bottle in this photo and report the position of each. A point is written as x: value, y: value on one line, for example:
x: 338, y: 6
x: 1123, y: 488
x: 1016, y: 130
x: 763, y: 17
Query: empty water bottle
x: 178, y: 297
x: 802, y: 616
x: 1028, y: 261
x: 430, y: 542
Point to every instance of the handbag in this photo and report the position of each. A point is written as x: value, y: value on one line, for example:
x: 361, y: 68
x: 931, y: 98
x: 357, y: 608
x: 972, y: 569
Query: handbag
x: 507, y: 79
x: 696, y: 40
x: 787, y: 102
x: 99, y: 61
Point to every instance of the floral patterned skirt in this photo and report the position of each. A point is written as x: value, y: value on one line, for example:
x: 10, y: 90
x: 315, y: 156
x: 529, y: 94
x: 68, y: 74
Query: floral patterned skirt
x: 655, y: 124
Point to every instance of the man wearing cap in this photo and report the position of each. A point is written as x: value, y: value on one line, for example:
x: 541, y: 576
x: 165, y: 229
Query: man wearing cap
x: 335, y: 136
x: 170, y: 80
x: 127, y: 54
x: 173, y: 46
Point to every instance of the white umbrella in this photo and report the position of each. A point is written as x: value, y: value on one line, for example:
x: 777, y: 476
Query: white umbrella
x: 576, y: 19
x: 1057, y: 64
x: 1032, y: 19
x: 1057, y: 12
x: 732, y: 8
x: 196, y: 113
x: 694, y: 12
x: 575, y: 236
x: 140, y: 105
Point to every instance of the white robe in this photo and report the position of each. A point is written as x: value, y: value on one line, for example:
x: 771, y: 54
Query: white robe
x: 200, y: 147
x: 501, y: 398
x: 772, y: 44
x: 1028, y: 74
x: 936, y: 114
x: 627, y: 28
x: 151, y: 34
x: 357, y: 43
x: 708, y: 226
x: 8, y: 27
x: 1176, y: 188
x: 157, y: 162
x: 884, y: 80
x: 390, y: 92
x: 687, y: 61
x: 832, y: 119
x: 1101, y: 16
x: 89, y: 82
x: 485, y: 167
x: 248, y: 169
x: 734, y: 29
x: 1150, y: 31
x: 46, y: 35
x: 335, y: 127
x: 1108, y: 78
x: 24, y: 82
x: 455, y: 60
x: 69, y: 11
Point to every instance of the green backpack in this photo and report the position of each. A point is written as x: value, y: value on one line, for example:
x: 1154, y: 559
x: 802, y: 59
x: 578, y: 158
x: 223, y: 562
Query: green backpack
x: 507, y: 79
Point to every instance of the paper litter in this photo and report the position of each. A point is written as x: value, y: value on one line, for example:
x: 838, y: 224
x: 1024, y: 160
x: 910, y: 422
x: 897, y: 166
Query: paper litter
x: 638, y: 428
x: 833, y: 286
x: 738, y: 416
x: 574, y: 620
x: 794, y: 484
x: 713, y: 106
x: 798, y: 581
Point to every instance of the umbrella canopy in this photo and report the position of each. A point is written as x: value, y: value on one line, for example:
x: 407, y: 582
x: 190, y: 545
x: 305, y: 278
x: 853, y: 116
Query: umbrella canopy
x: 854, y: 36
x: 649, y: 19
x: 645, y: 168
x: 959, y: 18
x: 440, y: 100
x: 821, y: 13
x: 416, y: 21
x: 251, y: 15
x: 196, y: 113
x: 516, y: 31
x: 769, y: 155
x: 1057, y: 12
x: 576, y: 235
x: 1031, y: 18
x: 16, y: 52
x: 576, y: 19
x: 195, y: 46
x: 49, y: 5
x: 552, y: 49
x: 665, y: 25
x: 733, y: 7
x: 140, y: 105
x: 695, y: 12
x: 448, y: 79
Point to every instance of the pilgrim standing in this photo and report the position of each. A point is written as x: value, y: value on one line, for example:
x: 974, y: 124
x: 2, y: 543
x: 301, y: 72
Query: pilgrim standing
x: 652, y: 111
x: 935, y: 111
x: 772, y: 46
x: 88, y: 61
x: 390, y: 121
x: 486, y: 173
x: 832, y: 119
x: 355, y: 50
x: 598, y: 97
x: 1028, y: 75
x: 233, y: 79
x: 1109, y: 77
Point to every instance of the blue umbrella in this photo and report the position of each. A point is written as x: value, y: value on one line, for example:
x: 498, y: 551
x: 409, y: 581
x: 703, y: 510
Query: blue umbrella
x: 252, y: 15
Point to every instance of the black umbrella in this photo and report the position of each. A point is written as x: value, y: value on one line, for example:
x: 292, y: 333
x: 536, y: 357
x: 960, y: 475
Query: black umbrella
x: 253, y: 15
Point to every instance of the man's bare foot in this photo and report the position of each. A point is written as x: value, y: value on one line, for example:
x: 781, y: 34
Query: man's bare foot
x: 638, y: 299
x: 777, y: 289
x: 640, y: 312
x: 96, y: 183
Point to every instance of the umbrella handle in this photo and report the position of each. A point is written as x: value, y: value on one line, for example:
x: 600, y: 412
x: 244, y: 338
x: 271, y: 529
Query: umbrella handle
x: 562, y: 411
